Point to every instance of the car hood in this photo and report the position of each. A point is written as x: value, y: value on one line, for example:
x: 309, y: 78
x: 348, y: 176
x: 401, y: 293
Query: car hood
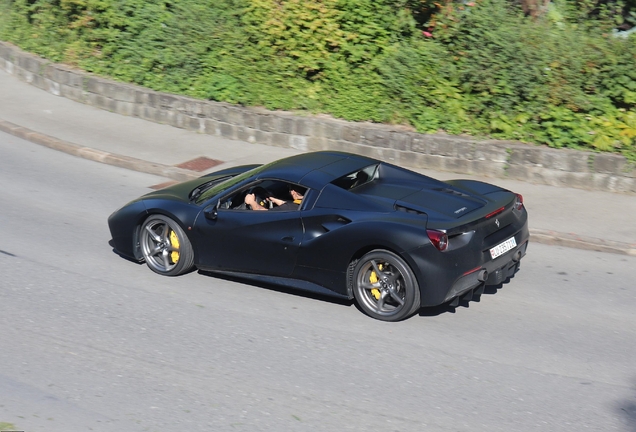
x: 182, y: 191
x: 179, y: 192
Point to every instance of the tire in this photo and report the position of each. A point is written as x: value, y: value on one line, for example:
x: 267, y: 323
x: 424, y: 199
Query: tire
x: 384, y: 286
x: 165, y: 246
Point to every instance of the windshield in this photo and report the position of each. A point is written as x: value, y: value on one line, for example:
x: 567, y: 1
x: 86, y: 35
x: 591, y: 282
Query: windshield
x: 227, y: 184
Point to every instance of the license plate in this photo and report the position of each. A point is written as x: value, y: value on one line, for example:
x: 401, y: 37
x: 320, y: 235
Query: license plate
x: 502, y: 248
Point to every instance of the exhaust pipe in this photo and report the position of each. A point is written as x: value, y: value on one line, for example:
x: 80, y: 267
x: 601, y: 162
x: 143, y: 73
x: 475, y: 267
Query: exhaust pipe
x: 516, y: 257
x: 482, y: 276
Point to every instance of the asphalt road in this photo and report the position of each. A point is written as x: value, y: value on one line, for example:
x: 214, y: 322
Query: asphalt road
x: 90, y: 341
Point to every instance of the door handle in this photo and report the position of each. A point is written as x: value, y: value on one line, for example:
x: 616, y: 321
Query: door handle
x: 288, y: 239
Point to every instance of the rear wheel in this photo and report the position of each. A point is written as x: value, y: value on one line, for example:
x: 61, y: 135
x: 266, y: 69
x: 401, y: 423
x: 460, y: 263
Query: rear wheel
x: 384, y: 286
x: 166, y: 248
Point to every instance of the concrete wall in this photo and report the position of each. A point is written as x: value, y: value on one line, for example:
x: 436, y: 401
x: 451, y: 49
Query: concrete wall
x: 466, y: 155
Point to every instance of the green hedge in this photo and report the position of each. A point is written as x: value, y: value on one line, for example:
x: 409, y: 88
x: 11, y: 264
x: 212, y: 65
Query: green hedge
x: 481, y: 68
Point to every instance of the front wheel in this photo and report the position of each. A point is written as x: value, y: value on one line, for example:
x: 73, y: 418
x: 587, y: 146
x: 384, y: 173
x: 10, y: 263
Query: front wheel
x: 165, y: 246
x: 384, y: 286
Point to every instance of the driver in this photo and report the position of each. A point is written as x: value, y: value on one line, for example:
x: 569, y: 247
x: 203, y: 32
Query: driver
x: 295, y: 191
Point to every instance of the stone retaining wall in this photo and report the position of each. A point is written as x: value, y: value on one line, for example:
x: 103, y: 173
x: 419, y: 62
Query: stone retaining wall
x: 504, y: 159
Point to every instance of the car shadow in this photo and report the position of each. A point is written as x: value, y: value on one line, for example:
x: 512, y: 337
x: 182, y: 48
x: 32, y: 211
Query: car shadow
x: 464, y: 302
x: 423, y: 312
x: 136, y: 261
x: 279, y: 288
x: 111, y: 243
x: 628, y: 411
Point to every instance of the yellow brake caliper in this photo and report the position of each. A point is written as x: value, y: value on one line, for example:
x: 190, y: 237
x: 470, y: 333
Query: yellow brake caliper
x: 174, y: 241
x: 374, y: 279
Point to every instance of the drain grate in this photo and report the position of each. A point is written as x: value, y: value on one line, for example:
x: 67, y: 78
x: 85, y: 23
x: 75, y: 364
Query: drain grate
x: 200, y: 164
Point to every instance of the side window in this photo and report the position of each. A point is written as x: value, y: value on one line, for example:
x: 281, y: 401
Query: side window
x: 235, y: 201
x: 272, y: 195
x: 357, y: 178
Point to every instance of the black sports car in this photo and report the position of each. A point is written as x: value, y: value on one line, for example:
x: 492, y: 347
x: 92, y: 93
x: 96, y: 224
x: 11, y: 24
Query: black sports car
x: 361, y: 229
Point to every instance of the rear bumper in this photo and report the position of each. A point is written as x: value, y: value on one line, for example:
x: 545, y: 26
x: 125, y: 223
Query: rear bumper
x: 494, y: 272
x: 455, y: 273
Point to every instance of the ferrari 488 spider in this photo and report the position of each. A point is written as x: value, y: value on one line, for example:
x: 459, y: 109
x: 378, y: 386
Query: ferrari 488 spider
x: 361, y: 229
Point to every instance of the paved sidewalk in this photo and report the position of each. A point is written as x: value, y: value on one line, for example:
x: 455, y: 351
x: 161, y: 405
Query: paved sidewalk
x: 564, y: 216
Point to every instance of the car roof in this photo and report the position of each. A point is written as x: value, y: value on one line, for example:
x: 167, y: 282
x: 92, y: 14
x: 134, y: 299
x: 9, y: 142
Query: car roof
x: 316, y: 169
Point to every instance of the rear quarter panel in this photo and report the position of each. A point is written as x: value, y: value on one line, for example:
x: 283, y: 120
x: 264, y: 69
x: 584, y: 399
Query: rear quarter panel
x: 333, y: 239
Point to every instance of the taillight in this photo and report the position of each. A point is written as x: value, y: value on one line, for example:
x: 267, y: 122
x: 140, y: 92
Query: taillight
x: 439, y: 239
x: 496, y: 212
x: 519, y: 202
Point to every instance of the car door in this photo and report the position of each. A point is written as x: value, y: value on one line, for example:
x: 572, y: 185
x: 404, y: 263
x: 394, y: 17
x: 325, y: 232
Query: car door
x: 261, y: 242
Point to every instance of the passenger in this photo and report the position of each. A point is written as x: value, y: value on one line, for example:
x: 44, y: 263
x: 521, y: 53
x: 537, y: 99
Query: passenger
x: 296, y: 192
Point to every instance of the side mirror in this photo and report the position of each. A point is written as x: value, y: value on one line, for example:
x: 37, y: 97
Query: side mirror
x: 212, y: 212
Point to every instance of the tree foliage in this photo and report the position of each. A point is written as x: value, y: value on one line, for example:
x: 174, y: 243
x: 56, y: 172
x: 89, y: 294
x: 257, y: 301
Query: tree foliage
x: 489, y: 67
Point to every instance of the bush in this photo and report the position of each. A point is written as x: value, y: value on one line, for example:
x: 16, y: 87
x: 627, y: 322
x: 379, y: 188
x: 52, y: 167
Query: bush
x: 481, y: 67
x: 423, y: 88
x: 541, y: 81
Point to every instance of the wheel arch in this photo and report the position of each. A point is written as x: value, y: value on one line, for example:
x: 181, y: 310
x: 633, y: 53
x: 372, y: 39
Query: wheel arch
x: 404, y: 310
x: 152, y: 211
x: 380, y: 246
x: 359, y: 237
x: 167, y: 250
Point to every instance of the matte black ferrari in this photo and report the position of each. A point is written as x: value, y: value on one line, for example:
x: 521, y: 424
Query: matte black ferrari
x: 361, y: 229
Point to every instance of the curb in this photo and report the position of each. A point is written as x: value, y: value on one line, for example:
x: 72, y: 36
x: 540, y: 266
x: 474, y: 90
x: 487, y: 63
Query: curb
x: 581, y: 242
x: 537, y: 235
x: 121, y: 161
